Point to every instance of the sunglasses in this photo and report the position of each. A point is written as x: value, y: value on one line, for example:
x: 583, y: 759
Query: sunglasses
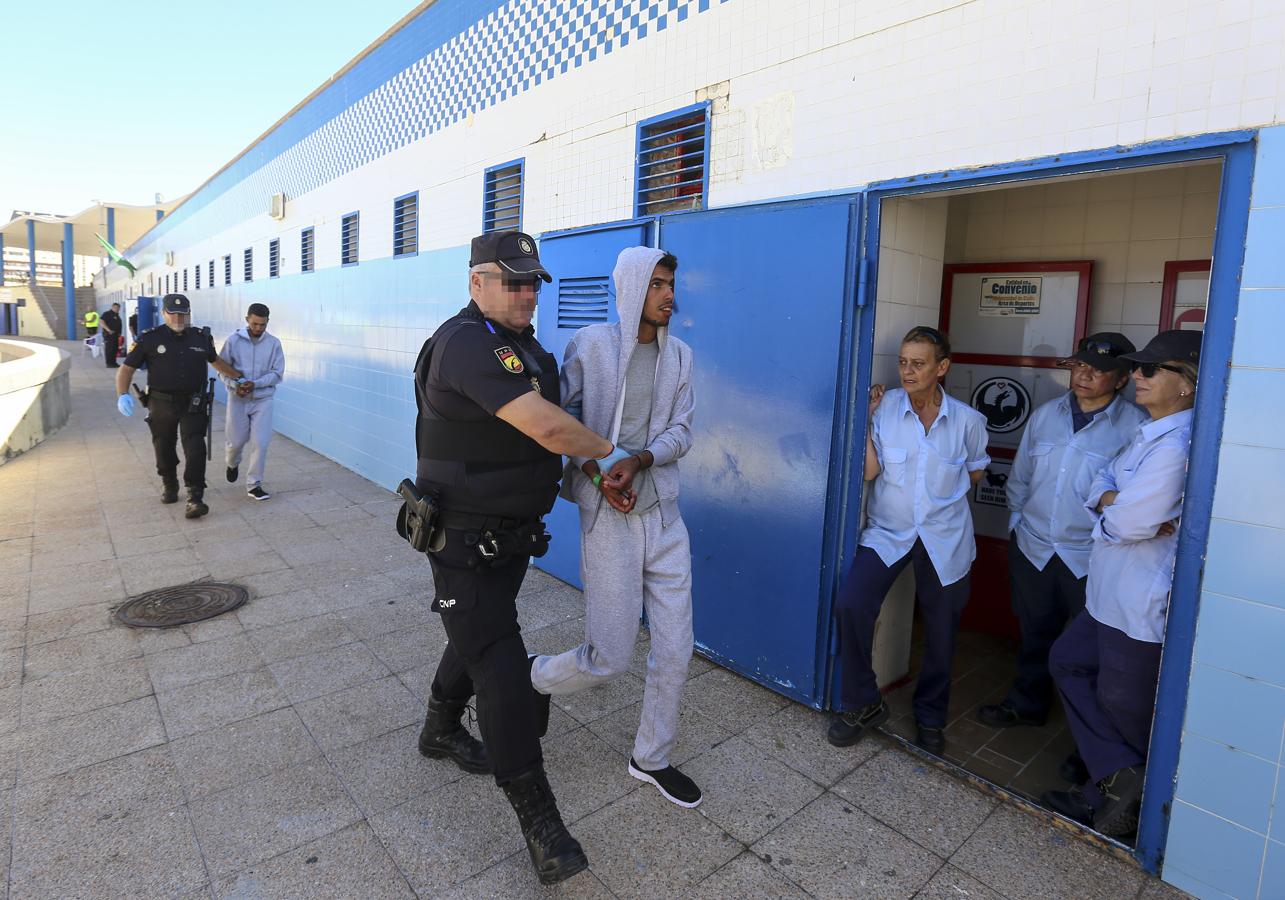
x: 514, y: 283
x: 1148, y: 370
x: 924, y: 331
x: 1102, y: 348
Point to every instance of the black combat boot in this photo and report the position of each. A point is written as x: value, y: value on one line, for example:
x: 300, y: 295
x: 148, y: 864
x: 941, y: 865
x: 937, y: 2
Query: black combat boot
x: 169, y: 492
x: 195, y: 506
x: 555, y: 854
x: 444, y: 737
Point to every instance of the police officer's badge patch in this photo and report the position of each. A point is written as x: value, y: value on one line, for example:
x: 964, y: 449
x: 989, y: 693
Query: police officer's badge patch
x: 509, y: 360
x: 525, y: 246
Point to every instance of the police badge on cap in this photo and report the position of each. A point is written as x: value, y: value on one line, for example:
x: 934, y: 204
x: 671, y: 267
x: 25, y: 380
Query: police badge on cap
x: 512, y: 251
x: 176, y: 303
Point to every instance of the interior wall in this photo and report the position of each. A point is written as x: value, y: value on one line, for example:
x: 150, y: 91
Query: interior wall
x: 912, y: 245
x: 1129, y: 224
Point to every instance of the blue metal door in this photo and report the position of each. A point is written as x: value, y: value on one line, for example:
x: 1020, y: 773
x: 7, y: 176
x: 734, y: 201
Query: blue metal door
x: 581, y: 294
x: 765, y: 298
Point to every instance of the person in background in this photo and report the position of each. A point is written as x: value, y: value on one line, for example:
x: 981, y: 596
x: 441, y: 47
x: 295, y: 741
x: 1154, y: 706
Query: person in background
x: 110, y: 339
x: 1107, y: 662
x: 924, y: 451
x: 1065, y: 444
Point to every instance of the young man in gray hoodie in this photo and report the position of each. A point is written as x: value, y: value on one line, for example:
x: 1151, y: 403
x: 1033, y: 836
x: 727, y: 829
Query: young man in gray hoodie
x: 262, y: 364
x: 632, y: 382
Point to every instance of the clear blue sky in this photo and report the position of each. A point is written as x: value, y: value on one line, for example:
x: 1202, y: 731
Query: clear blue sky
x: 118, y: 100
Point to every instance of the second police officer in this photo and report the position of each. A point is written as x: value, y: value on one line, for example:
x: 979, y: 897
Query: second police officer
x: 489, y: 438
x: 176, y: 355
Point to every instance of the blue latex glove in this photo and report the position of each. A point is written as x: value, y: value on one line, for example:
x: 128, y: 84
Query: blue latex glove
x: 606, y: 463
x: 125, y: 403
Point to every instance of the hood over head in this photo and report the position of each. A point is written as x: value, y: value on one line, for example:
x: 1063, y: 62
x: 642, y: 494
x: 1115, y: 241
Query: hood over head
x: 631, y: 276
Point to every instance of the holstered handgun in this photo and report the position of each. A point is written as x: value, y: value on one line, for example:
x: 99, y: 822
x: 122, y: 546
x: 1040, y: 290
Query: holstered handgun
x: 143, y: 399
x: 417, y: 517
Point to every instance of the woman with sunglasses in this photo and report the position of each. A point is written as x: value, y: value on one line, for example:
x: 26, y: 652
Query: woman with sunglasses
x: 1107, y: 662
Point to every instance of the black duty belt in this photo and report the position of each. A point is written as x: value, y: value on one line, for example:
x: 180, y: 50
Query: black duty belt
x: 466, y: 521
x: 181, y: 396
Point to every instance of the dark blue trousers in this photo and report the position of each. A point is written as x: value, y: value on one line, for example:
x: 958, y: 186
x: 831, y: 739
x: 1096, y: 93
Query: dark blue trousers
x: 860, y: 598
x: 1108, y: 685
x: 1044, y: 601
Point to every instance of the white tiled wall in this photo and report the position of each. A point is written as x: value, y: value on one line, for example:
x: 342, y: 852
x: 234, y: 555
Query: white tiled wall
x: 912, y: 244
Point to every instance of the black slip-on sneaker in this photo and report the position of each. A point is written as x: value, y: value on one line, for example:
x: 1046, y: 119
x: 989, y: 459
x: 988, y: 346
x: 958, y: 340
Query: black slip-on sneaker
x: 1121, y: 802
x: 231, y: 474
x: 930, y: 738
x: 257, y: 493
x: 673, y: 785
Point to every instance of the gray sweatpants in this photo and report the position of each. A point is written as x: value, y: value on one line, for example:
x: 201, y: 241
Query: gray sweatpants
x: 249, y: 421
x: 630, y: 563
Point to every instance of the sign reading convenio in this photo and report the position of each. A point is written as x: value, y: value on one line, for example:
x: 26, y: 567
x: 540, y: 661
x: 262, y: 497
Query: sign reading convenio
x: 1011, y: 296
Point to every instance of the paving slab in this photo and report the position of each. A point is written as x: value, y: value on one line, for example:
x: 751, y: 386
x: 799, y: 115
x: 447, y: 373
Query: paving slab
x: 301, y: 637
x: 359, y: 713
x: 230, y: 755
x: 199, y: 707
x: 52, y: 748
x: 513, y: 877
x: 347, y: 863
x: 80, y: 653
x: 195, y: 663
x: 833, y: 849
x: 46, y: 699
x: 318, y: 674
x: 734, y: 703
x: 796, y: 736
x: 388, y: 770
x: 748, y: 878
x: 261, y: 819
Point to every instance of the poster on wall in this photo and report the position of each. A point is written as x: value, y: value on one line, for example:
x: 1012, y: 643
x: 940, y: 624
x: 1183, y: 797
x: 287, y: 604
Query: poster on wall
x: 1006, y: 295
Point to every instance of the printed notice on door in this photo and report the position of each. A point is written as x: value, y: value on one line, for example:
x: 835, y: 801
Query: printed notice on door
x: 1011, y: 296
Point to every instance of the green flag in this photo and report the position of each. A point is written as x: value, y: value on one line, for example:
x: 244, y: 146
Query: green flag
x: 115, y: 254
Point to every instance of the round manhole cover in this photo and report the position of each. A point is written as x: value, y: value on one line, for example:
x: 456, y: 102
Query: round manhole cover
x: 182, y: 604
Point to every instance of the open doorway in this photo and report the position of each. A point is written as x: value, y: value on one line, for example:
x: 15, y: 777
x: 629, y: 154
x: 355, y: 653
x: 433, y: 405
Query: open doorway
x: 1125, y: 252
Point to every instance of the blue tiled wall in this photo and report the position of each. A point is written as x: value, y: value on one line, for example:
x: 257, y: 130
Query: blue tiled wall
x: 351, y: 336
x: 1227, y: 832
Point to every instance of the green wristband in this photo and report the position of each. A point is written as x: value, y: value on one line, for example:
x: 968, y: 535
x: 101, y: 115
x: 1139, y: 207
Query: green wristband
x: 597, y: 480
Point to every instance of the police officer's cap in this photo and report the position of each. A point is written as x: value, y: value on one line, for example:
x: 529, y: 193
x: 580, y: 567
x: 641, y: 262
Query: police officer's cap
x: 1176, y: 345
x: 176, y: 303
x: 512, y: 251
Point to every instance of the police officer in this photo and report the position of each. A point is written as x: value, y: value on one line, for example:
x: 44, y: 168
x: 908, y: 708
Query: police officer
x: 489, y: 435
x: 111, y: 325
x: 176, y: 355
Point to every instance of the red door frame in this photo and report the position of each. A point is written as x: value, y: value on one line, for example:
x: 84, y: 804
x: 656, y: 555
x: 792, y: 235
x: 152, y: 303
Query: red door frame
x: 1083, y: 266
x: 1169, y: 291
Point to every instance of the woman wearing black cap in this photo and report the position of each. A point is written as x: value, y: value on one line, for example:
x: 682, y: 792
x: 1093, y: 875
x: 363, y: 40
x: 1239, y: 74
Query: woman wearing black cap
x: 1107, y: 662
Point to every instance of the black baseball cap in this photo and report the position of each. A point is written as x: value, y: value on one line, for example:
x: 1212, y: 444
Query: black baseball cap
x: 176, y: 303
x: 1104, y: 351
x: 512, y: 251
x: 1175, y: 345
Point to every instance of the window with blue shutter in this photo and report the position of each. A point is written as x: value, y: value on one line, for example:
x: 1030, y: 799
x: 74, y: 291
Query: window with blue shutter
x: 673, y: 174
x: 349, y: 232
x: 227, y: 269
x: 306, y: 239
x: 249, y: 264
x: 502, y: 197
x: 185, y: 279
x: 196, y: 273
x: 582, y: 301
x: 274, y: 258
x: 211, y: 273
x: 406, y: 225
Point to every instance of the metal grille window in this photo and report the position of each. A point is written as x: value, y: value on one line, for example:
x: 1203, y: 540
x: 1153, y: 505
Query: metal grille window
x: 502, y: 197
x: 185, y: 279
x: 349, y: 232
x: 227, y: 269
x: 582, y: 301
x: 672, y: 170
x: 306, y: 243
x: 196, y: 274
x: 211, y: 273
x: 274, y: 258
x: 249, y: 264
x: 406, y: 225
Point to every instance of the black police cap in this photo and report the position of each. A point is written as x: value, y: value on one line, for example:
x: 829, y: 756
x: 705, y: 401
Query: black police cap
x: 176, y: 303
x: 1175, y: 345
x: 512, y: 251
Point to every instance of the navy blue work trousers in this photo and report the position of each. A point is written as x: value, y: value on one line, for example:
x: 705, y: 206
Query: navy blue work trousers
x: 1044, y: 601
x: 1108, y: 685
x: 861, y: 597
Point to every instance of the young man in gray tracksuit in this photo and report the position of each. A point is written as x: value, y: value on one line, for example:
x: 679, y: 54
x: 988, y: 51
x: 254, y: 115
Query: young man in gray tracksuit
x: 632, y: 382
x: 262, y: 364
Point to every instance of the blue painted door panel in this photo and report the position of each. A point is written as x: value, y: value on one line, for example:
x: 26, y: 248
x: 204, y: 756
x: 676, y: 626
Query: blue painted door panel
x: 581, y: 265
x: 764, y: 298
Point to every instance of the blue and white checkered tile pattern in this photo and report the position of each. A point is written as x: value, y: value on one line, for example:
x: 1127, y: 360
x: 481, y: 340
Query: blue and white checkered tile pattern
x: 515, y: 48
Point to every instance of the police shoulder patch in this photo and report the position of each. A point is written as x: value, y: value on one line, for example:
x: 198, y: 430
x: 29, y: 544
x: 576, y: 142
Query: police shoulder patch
x: 509, y: 360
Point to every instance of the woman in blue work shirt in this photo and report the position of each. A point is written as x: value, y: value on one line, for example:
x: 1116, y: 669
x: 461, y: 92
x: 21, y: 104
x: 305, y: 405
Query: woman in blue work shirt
x: 924, y: 450
x: 1107, y: 662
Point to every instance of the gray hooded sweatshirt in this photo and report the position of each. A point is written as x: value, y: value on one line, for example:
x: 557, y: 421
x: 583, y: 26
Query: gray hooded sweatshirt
x: 261, y: 361
x: 593, y: 387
